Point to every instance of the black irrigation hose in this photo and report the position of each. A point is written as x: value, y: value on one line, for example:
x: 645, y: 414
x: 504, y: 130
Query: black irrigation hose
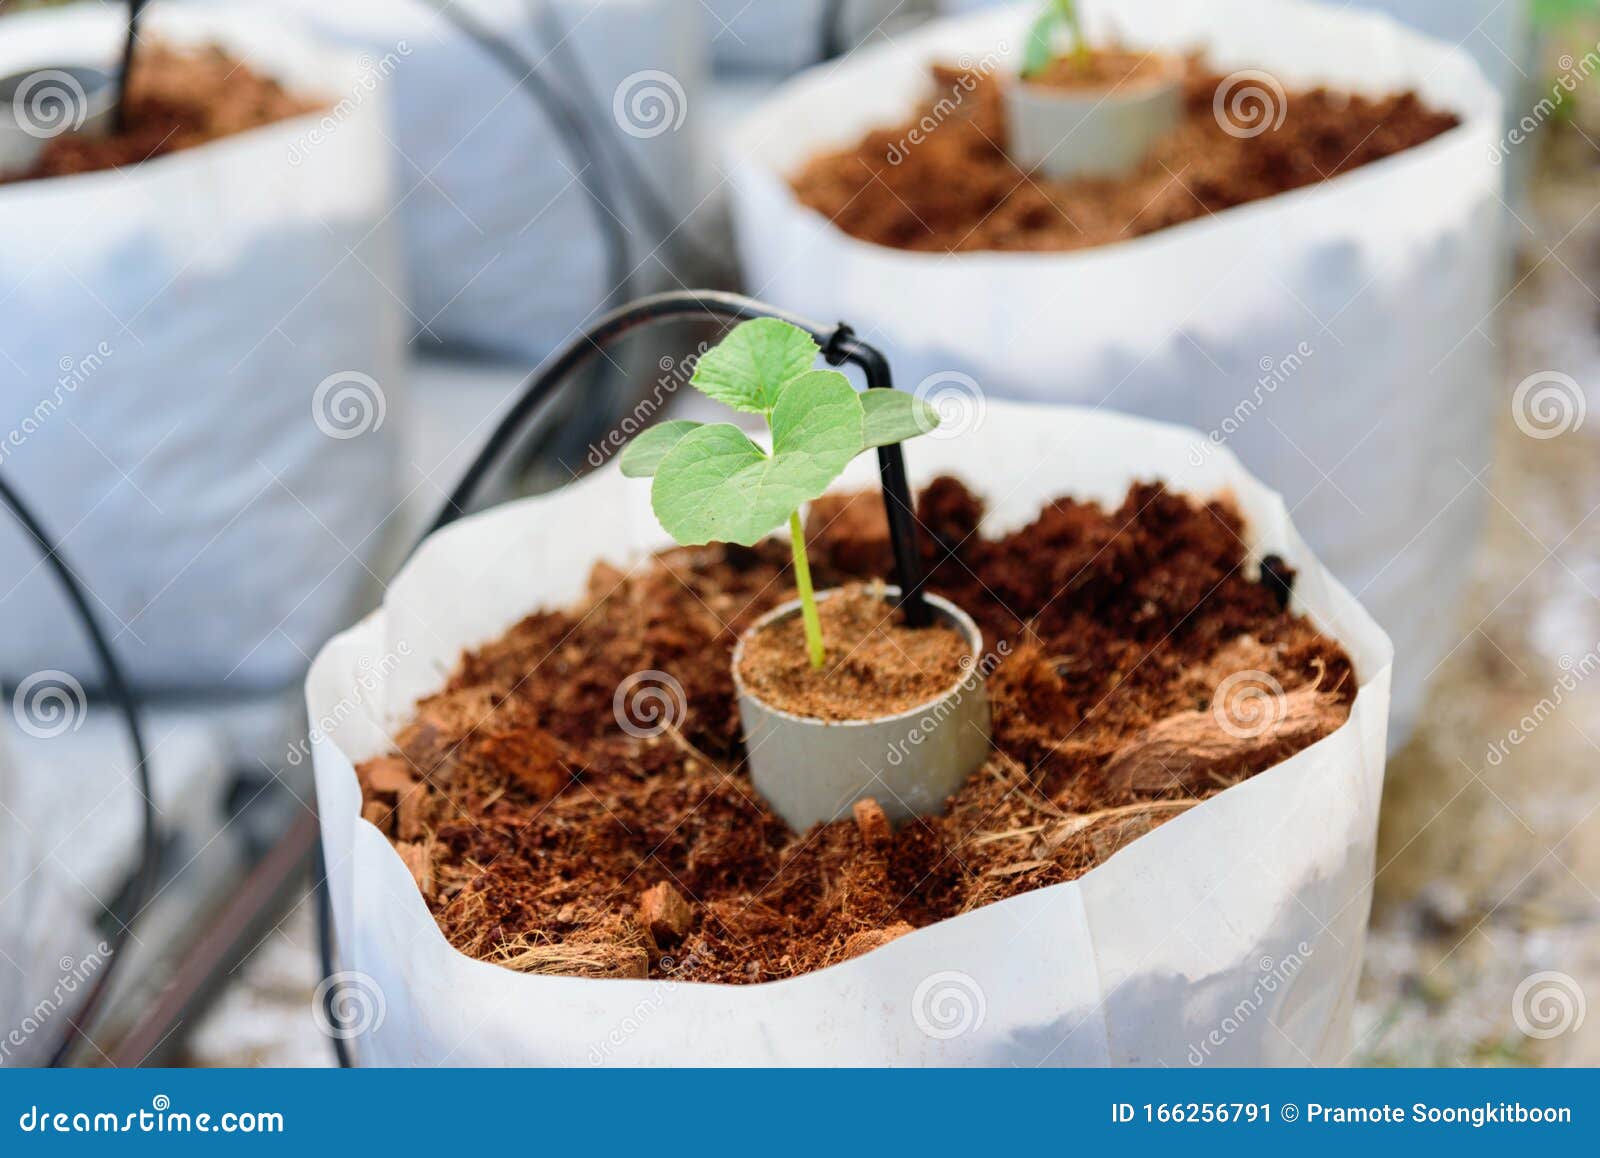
x: 697, y: 259
x: 569, y: 126
x: 330, y: 1008
x: 111, y: 671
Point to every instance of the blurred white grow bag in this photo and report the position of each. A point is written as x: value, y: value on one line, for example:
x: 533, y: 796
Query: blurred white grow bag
x: 200, y: 353
x: 1257, y: 898
x: 1336, y: 337
x: 501, y: 246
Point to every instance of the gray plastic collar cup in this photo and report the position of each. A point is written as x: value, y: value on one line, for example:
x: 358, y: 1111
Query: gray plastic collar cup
x: 1068, y: 133
x: 49, y: 101
x: 812, y: 770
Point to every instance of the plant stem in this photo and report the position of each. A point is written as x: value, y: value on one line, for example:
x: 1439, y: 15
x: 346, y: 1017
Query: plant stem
x: 808, y: 598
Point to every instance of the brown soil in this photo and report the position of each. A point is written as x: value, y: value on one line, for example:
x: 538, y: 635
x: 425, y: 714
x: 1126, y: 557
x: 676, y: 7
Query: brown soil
x: 177, y: 99
x: 875, y: 665
x: 955, y: 190
x: 1105, y: 68
x: 549, y: 838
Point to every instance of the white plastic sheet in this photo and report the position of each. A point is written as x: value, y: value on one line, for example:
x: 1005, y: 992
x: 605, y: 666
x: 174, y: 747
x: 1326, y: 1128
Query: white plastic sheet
x: 501, y: 246
x: 167, y: 330
x: 1338, y: 338
x: 1230, y: 935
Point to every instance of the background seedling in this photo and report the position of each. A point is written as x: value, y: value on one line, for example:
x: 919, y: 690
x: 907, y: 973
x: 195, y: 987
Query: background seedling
x: 713, y: 484
x: 1059, y: 21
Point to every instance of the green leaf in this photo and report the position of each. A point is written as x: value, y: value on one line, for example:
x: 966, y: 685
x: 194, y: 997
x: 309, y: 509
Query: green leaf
x: 716, y: 486
x: 749, y: 368
x: 1041, y: 42
x: 643, y: 455
x: 894, y: 416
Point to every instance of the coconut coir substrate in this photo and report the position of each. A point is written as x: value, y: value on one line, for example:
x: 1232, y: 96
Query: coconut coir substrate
x: 558, y: 825
x: 874, y: 664
x: 952, y: 188
x: 177, y: 99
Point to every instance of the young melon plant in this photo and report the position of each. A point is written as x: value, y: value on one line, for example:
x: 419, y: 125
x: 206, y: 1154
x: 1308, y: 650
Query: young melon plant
x: 713, y: 484
x: 1059, y: 21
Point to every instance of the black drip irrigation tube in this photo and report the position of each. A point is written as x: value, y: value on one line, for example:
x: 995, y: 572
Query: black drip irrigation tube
x: 840, y: 346
x: 135, y: 8
x: 122, y: 695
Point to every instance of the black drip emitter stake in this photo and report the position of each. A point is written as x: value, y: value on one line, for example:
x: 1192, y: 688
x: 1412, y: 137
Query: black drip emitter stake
x: 135, y: 7
x: 839, y: 345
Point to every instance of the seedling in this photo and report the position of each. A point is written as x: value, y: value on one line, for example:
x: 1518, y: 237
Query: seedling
x: 1058, y: 22
x: 713, y: 484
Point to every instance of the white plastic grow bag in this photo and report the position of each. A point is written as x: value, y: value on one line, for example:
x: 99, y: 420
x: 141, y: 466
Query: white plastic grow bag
x: 501, y: 246
x: 1337, y: 338
x: 201, y: 375
x: 1256, y: 899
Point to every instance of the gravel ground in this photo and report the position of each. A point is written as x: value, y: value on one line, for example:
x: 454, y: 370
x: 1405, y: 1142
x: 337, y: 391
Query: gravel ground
x: 1487, y: 922
x: 1486, y: 935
